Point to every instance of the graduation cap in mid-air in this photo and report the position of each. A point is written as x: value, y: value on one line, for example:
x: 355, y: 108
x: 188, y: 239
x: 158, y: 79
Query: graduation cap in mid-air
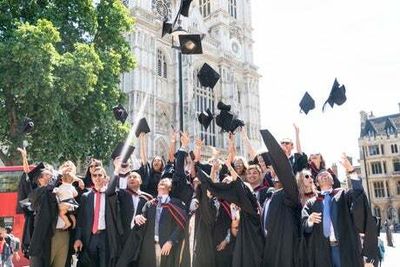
x: 307, y: 103
x: 228, y: 122
x: 190, y: 44
x: 27, y: 125
x: 208, y: 77
x: 224, y: 120
x: 222, y: 106
x: 143, y: 127
x: 118, y: 150
x: 337, y: 95
x: 205, y: 118
x: 120, y: 113
x: 185, y: 7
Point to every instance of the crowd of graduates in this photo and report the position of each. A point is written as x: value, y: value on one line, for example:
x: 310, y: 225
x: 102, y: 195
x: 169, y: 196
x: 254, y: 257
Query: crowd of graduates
x: 275, y: 208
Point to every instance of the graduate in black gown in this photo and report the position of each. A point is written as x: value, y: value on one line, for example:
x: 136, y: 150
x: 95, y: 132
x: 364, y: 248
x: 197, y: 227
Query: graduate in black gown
x: 130, y: 203
x: 333, y: 221
x: 149, y: 171
x: 44, y: 205
x: 281, y: 214
x: 249, y: 241
x: 162, y: 225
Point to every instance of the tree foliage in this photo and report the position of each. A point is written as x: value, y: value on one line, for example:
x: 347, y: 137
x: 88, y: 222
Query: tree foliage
x: 60, y: 64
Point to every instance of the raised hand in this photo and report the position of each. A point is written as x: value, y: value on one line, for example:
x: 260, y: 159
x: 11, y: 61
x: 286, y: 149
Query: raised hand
x: 346, y: 163
x: 185, y: 139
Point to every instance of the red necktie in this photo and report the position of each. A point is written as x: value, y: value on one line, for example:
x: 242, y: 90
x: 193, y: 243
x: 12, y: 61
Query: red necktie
x: 96, y: 214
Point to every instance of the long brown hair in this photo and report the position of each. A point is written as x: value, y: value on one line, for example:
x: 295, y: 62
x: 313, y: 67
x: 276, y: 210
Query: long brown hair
x: 304, y: 192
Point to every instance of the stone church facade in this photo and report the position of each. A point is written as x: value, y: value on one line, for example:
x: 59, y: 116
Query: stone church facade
x: 227, y: 47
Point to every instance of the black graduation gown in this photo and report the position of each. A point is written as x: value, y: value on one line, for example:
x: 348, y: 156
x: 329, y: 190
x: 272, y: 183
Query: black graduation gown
x: 172, y: 223
x: 222, y: 226
x: 249, y: 241
x: 350, y: 212
x: 25, y: 187
x: 298, y: 162
x: 181, y: 187
x: 282, y: 242
x: 150, y: 179
x: 204, y: 251
x: 44, y: 204
x: 130, y: 239
x: 283, y: 230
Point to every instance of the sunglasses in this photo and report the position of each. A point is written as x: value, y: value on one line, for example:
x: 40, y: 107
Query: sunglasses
x: 307, y: 176
x: 93, y: 166
x: 286, y: 143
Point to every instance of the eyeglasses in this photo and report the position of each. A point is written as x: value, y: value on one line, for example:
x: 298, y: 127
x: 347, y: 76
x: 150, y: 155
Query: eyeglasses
x: 286, y: 143
x: 307, y: 176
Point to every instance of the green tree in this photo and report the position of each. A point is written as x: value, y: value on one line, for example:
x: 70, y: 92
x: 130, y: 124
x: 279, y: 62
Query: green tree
x: 60, y: 64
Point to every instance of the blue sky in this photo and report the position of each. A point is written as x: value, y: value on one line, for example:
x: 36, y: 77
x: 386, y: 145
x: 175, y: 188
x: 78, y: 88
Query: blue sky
x: 303, y: 45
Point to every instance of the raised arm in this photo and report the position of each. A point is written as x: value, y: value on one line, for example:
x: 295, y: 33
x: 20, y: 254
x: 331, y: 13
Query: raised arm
x: 250, y: 149
x: 231, y: 156
x: 181, y: 155
x: 297, y: 133
x: 24, y: 157
x: 143, y: 148
x: 281, y: 166
x: 172, y: 143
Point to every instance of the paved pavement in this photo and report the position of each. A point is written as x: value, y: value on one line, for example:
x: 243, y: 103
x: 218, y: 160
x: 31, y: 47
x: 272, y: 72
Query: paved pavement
x: 392, y: 254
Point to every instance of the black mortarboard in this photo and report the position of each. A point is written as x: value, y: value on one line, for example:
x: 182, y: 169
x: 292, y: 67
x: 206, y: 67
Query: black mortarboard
x: 222, y: 106
x: 143, y: 127
x: 205, y: 118
x: 35, y: 173
x: 27, y: 125
x: 337, y: 95
x: 190, y: 43
x: 208, y: 77
x: 224, y: 120
x: 166, y: 28
x: 307, y: 103
x: 120, y: 113
x: 185, y: 7
x: 280, y: 162
x: 118, y: 150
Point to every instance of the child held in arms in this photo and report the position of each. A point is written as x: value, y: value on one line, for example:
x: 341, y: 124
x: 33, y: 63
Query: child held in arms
x: 66, y: 194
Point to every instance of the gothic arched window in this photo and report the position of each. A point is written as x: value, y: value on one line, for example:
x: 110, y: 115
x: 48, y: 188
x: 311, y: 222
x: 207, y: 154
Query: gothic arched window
x: 161, y: 64
x: 205, y: 99
x: 205, y: 7
x: 232, y: 8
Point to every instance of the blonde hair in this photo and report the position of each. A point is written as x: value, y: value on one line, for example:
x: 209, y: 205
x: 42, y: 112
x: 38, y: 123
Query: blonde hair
x: 302, y: 187
x: 70, y: 164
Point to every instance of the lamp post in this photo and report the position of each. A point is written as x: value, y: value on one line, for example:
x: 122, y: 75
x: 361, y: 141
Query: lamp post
x: 185, y: 44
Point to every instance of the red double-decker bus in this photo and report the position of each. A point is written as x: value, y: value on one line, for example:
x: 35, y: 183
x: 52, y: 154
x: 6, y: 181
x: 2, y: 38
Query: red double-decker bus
x: 9, y: 179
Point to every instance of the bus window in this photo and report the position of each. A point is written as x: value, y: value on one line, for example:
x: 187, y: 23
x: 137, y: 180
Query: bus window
x: 9, y: 181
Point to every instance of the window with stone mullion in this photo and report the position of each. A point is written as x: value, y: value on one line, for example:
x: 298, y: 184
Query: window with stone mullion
x: 205, y: 7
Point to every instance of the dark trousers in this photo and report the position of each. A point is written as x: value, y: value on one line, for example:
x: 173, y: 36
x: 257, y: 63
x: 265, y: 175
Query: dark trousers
x: 97, y: 249
x: 335, y: 256
x: 38, y: 261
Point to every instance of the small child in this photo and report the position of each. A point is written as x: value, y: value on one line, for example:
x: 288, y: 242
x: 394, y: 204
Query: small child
x: 66, y: 193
